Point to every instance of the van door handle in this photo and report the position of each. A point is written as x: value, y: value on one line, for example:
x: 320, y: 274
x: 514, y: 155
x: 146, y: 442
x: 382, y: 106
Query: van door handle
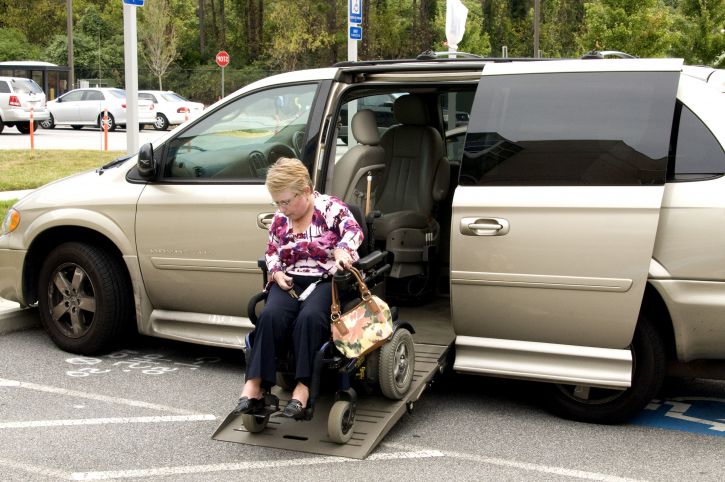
x: 264, y: 220
x: 484, y: 226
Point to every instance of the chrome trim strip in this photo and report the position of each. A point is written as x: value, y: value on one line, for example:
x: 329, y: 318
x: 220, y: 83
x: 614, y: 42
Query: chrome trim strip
x: 214, y: 265
x: 619, y: 285
x: 569, y: 364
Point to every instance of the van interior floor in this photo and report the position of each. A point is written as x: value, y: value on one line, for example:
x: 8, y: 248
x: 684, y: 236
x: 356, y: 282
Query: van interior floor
x: 431, y: 321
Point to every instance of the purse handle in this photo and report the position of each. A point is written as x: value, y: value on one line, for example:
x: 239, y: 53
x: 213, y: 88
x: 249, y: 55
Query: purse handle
x: 365, y: 295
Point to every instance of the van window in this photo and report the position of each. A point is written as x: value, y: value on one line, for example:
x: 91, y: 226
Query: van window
x: 698, y: 154
x: 240, y: 140
x: 26, y: 86
x: 4, y: 87
x: 570, y: 129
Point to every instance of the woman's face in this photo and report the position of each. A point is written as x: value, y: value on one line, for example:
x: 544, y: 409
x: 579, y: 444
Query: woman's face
x: 292, y: 204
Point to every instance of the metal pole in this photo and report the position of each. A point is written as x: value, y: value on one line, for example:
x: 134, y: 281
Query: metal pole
x: 130, y: 53
x: 69, y: 31
x: 222, y: 82
x: 537, y: 12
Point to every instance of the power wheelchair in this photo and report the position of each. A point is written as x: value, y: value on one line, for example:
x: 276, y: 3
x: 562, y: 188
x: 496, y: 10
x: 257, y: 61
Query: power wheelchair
x: 388, y: 369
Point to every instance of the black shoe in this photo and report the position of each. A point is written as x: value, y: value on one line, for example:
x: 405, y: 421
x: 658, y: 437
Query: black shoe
x: 247, y: 405
x: 294, y: 409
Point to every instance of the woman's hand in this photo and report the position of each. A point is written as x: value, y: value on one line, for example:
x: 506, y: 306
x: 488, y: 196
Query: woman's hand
x: 342, y: 258
x: 283, y: 281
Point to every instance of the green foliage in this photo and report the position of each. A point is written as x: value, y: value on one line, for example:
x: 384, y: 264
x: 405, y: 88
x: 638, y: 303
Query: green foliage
x: 14, y: 46
x: 639, y: 27
x: 702, y: 40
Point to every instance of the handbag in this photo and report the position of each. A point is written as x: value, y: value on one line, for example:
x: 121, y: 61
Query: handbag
x: 365, y: 327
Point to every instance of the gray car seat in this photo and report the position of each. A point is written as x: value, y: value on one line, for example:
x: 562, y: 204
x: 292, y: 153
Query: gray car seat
x: 350, y: 178
x: 415, y: 178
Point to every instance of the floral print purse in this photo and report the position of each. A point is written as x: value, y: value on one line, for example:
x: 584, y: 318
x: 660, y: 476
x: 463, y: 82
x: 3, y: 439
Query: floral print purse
x: 363, y: 328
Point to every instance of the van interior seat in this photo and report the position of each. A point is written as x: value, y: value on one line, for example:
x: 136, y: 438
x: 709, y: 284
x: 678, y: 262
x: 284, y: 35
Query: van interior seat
x: 350, y: 179
x: 415, y: 178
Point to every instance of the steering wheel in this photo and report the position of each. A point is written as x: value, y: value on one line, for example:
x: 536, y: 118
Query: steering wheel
x: 297, y: 139
x: 279, y: 150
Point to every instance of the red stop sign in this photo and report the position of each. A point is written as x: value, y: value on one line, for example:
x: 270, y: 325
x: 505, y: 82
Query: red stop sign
x: 222, y: 59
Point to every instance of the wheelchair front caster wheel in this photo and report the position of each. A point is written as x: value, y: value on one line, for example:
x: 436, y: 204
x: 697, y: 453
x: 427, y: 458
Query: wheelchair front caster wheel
x: 341, y: 421
x: 254, y: 423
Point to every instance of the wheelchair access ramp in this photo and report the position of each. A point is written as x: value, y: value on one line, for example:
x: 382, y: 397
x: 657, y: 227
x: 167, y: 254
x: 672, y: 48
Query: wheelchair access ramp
x: 375, y: 416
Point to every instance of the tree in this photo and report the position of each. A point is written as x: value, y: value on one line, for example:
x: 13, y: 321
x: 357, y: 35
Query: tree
x: 158, y: 36
x: 14, y: 46
x: 702, y: 40
x: 639, y: 27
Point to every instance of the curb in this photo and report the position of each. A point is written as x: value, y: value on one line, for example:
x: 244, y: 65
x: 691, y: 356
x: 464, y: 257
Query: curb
x: 17, y: 319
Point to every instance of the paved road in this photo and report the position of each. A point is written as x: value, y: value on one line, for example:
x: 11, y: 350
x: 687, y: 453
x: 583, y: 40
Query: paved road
x: 68, y: 138
x: 147, y: 412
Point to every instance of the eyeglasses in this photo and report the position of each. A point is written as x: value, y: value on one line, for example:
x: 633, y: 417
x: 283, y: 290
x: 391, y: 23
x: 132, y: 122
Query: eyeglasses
x: 285, y: 202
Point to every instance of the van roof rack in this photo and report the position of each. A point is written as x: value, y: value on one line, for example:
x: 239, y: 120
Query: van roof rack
x: 601, y: 54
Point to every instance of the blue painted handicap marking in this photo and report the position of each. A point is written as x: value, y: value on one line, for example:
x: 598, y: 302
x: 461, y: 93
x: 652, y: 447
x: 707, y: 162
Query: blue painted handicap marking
x: 703, y: 415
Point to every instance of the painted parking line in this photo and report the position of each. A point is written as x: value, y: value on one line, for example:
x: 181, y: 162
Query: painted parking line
x: 701, y: 415
x: 93, y: 396
x: 107, y: 420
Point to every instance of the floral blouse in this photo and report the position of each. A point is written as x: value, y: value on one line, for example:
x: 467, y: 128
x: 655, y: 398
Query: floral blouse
x: 311, y: 253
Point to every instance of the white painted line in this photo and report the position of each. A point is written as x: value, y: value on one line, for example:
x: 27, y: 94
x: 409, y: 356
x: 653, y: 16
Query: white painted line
x: 103, y: 421
x: 93, y: 396
x: 546, y: 469
x: 256, y: 465
x: 34, y: 469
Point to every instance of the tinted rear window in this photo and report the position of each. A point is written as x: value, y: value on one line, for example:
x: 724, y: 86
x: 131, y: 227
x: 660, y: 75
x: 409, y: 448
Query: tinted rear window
x: 570, y: 129
x: 4, y: 87
x: 698, y: 154
x: 26, y: 86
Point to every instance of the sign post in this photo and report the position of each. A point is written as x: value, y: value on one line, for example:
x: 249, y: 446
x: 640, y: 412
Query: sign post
x: 130, y: 54
x: 222, y: 60
x: 354, y: 30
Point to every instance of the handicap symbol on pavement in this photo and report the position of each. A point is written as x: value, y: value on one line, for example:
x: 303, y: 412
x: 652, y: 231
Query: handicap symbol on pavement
x: 703, y: 415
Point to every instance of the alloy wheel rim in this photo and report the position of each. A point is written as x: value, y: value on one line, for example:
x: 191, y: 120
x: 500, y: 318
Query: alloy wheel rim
x: 71, y: 300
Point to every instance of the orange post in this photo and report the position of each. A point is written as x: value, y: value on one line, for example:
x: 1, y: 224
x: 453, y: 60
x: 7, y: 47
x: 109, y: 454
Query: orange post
x: 105, y: 129
x: 32, y: 132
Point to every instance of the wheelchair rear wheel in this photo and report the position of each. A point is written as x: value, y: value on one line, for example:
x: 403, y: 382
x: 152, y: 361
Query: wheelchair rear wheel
x: 397, y: 364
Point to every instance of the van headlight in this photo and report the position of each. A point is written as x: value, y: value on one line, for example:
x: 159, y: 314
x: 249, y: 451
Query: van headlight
x: 11, y: 221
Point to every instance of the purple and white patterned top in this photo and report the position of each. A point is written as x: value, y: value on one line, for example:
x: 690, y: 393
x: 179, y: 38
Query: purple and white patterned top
x: 311, y: 253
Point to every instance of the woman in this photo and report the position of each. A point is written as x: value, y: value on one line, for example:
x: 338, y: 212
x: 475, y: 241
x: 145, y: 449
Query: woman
x: 311, y: 235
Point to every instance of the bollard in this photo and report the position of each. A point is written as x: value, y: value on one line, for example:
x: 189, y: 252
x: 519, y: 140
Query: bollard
x: 105, y: 129
x: 32, y: 131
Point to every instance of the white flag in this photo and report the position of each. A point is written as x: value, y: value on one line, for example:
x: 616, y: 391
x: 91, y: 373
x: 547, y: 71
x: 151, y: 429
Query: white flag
x: 456, y: 14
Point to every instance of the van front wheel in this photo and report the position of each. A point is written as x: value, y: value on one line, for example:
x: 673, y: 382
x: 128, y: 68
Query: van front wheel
x: 599, y: 405
x: 84, y: 298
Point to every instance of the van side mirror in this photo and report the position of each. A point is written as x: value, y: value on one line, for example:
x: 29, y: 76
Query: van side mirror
x: 146, y: 164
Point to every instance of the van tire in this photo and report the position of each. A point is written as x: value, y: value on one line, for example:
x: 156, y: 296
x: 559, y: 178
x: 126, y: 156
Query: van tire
x: 397, y: 365
x: 615, y: 406
x: 85, y: 299
x: 24, y: 127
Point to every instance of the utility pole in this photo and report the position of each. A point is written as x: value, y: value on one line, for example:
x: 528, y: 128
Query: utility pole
x: 69, y: 29
x: 537, y: 13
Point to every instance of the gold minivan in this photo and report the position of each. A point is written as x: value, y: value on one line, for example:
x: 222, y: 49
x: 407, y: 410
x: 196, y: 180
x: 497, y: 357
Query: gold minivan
x: 558, y: 221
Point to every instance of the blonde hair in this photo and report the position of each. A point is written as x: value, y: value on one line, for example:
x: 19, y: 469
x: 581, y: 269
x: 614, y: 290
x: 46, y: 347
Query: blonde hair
x: 288, y: 173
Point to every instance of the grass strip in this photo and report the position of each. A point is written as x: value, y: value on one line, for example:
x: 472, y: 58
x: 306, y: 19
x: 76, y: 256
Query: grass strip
x: 26, y: 169
x: 4, y: 206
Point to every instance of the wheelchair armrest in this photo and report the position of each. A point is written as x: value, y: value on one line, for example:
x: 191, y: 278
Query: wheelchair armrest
x: 252, y: 306
x: 373, y: 259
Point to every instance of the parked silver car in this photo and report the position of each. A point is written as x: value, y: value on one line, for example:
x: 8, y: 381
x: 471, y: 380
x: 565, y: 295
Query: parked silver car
x: 171, y: 108
x: 85, y: 107
x: 570, y: 233
x: 18, y: 97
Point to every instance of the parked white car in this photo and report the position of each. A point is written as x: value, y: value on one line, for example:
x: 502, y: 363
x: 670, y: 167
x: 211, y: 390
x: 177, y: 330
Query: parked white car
x: 171, y: 108
x: 84, y: 107
x: 18, y: 96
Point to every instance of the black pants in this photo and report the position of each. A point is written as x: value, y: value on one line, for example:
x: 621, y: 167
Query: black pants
x: 286, y: 322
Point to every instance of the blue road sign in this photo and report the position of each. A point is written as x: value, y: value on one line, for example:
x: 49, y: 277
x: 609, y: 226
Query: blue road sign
x: 355, y: 33
x: 354, y: 9
x: 137, y: 3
